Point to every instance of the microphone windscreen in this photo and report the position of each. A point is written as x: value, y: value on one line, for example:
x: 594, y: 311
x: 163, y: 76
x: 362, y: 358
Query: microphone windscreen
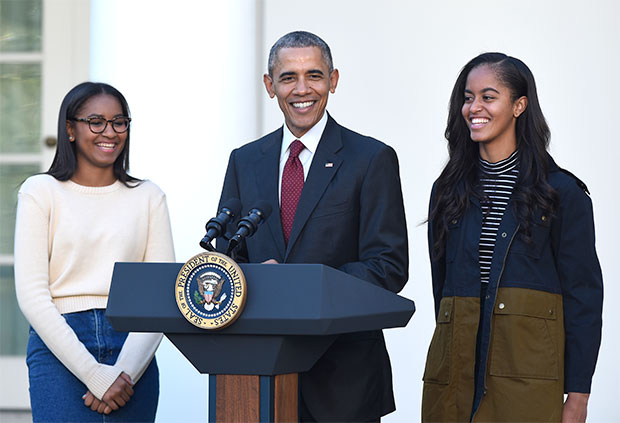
x: 264, y: 207
x: 232, y: 204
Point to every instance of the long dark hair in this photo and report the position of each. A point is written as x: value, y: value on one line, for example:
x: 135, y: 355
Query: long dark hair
x: 65, y: 162
x: 459, y: 180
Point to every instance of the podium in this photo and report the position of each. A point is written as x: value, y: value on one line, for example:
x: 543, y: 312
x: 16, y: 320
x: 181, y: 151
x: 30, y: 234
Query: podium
x: 293, y: 313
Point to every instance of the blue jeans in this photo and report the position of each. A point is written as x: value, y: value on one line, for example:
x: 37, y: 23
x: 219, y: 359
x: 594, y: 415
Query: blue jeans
x: 56, y: 394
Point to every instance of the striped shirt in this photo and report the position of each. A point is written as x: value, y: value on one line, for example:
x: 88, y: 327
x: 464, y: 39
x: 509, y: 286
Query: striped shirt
x: 497, y: 181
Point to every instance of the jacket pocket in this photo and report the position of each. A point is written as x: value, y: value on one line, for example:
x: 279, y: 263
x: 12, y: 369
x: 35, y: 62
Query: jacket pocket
x: 343, y: 206
x: 539, y: 236
x: 525, y: 335
x: 438, y: 359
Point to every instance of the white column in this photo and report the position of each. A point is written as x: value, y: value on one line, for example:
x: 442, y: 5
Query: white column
x: 188, y: 69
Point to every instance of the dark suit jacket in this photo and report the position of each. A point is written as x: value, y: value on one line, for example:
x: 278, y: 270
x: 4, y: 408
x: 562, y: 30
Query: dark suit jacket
x: 351, y: 217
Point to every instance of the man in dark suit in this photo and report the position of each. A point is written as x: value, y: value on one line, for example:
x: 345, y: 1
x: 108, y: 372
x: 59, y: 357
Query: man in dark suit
x: 344, y: 209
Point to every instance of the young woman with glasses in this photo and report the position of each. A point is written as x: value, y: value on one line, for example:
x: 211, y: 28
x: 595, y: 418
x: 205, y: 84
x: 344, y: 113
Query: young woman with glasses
x: 73, y: 223
x: 517, y: 283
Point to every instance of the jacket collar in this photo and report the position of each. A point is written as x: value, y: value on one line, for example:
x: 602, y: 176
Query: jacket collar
x: 267, y: 171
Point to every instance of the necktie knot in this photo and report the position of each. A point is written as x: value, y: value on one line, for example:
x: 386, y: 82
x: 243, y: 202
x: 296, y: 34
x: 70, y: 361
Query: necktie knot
x: 296, y: 148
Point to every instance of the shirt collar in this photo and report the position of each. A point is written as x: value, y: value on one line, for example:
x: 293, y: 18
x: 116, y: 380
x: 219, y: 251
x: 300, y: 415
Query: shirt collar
x: 503, y: 166
x: 310, y: 139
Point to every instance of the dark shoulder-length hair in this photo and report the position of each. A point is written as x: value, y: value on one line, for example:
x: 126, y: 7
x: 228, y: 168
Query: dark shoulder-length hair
x: 459, y: 180
x: 65, y: 162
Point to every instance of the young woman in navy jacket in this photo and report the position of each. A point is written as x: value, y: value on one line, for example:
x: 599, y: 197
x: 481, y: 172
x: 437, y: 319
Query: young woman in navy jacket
x: 516, y: 279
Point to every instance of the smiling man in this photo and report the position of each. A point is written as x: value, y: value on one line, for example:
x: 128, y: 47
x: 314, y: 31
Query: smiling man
x: 337, y: 201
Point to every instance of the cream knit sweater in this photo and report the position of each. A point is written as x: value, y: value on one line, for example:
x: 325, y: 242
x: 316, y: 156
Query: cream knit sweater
x: 67, y: 239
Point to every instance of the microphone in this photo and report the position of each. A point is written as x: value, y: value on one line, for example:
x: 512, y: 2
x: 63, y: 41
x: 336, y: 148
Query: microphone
x: 248, y: 225
x: 217, y: 225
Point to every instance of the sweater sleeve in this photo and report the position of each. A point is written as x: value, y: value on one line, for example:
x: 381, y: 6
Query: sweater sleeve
x: 32, y: 240
x: 139, y: 348
x: 159, y: 246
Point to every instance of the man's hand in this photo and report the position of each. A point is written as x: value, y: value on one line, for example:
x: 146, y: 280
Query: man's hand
x: 575, y: 408
x: 270, y: 261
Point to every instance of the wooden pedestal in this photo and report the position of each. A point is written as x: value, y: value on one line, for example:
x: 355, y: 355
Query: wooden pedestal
x: 251, y: 398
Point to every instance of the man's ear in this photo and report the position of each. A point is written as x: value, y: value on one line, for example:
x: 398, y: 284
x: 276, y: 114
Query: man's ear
x: 269, y: 85
x: 333, y: 80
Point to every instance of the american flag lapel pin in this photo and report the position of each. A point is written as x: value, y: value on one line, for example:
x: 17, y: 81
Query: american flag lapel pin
x: 329, y: 164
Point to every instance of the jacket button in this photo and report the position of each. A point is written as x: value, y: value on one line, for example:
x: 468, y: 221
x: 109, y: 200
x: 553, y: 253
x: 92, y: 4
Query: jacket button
x: 454, y: 221
x: 544, y: 218
x: 501, y: 306
x: 550, y: 311
x: 504, y: 234
x: 484, y: 392
x: 446, y: 314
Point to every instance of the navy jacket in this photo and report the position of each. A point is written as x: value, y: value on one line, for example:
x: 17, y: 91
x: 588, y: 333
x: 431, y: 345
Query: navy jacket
x: 562, y: 260
x: 351, y: 217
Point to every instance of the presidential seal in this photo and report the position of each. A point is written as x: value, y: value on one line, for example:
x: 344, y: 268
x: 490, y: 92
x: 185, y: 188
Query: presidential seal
x: 210, y: 290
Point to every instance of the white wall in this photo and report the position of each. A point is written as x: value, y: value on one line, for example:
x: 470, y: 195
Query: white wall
x: 189, y: 72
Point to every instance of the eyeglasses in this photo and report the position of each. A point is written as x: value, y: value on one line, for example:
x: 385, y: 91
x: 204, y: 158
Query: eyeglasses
x: 97, y: 125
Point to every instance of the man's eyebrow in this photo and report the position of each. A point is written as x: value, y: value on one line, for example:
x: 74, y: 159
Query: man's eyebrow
x: 284, y: 74
x: 315, y: 71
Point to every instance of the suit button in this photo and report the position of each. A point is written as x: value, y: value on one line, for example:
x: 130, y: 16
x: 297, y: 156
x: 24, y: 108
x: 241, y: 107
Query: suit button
x: 504, y: 234
x: 501, y: 306
x: 484, y: 392
x: 446, y: 314
x: 550, y: 312
x: 454, y: 221
x: 544, y: 218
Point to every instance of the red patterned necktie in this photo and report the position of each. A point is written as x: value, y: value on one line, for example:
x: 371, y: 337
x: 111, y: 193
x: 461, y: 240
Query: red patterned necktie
x: 292, y: 185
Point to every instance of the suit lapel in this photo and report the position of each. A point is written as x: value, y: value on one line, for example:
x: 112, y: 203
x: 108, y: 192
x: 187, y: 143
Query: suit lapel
x: 318, y: 178
x: 267, y: 175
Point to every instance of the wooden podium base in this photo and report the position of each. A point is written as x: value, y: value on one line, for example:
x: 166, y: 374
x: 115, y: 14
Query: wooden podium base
x: 251, y: 398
